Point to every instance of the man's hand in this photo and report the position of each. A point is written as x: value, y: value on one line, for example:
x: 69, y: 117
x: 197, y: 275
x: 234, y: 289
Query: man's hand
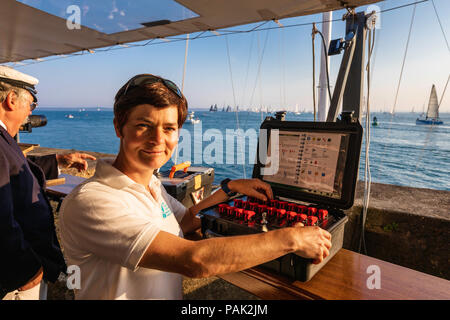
x: 34, y: 281
x: 74, y: 160
x: 252, y: 187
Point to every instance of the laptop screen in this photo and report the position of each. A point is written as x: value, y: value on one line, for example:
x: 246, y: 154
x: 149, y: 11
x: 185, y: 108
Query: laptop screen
x: 310, y: 161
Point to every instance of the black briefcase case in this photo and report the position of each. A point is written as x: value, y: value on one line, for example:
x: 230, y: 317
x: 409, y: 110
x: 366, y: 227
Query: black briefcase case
x: 314, y: 183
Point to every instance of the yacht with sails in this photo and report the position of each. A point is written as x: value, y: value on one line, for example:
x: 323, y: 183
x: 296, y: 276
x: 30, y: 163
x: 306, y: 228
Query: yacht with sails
x: 432, y: 116
x: 191, y: 118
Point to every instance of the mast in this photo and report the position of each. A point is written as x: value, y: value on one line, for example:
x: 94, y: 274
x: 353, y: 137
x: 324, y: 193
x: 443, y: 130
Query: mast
x: 323, y: 85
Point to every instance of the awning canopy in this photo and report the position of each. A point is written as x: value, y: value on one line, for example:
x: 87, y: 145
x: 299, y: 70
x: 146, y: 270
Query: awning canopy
x: 31, y: 29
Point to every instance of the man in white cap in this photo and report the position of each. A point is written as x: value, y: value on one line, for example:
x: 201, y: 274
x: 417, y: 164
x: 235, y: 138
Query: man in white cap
x: 28, y: 244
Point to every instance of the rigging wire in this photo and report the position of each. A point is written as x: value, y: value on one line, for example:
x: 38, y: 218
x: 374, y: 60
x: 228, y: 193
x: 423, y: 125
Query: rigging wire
x: 182, y: 85
x: 234, y: 100
x: 313, y: 35
x: 248, y: 66
x: 201, y: 35
x: 404, y: 59
x: 367, y: 174
x: 401, y: 73
x: 440, y: 24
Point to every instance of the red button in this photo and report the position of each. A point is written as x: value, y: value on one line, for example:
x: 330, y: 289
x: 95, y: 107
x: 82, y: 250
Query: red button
x: 301, y: 209
x: 238, y: 212
x: 301, y: 217
x: 274, y: 203
x: 230, y: 211
x: 292, y: 215
x: 323, y: 214
x: 252, y: 206
x: 271, y: 211
x: 312, y: 211
x: 244, y: 204
x: 237, y: 203
x: 282, y: 204
x: 249, y: 214
x: 223, y: 208
x: 262, y: 208
x: 281, y: 213
x: 312, y: 220
x: 291, y: 207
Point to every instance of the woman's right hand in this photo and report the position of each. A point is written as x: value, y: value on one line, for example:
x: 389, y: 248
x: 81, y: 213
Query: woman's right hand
x: 313, y: 242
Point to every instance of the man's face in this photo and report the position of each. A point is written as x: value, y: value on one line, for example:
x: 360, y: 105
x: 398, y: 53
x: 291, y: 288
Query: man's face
x: 21, y: 111
x: 149, y: 136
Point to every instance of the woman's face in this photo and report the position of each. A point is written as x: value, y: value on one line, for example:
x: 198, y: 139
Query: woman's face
x: 149, y: 136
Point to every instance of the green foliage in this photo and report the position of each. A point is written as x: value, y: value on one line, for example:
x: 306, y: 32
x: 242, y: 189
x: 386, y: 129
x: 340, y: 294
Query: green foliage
x: 391, y: 227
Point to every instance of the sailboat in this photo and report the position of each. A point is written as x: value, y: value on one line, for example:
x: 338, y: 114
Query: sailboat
x: 296, y: 109
x: 190, y: 118
x: 432, y: 116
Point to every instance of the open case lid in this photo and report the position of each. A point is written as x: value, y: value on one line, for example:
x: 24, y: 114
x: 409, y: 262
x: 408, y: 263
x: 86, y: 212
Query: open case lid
x: 317, y: 161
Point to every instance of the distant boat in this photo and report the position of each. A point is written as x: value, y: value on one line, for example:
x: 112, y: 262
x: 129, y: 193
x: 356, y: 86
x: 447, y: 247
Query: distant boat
x: 375, y: 122
x: 69, y: 116
x: 296, y: 109
x: 190, y: 118
x: 432, y: 116
x: 213, y: 108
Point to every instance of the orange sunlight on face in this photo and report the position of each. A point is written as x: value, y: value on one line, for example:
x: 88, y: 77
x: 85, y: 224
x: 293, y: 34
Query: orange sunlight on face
x: 149, y: 136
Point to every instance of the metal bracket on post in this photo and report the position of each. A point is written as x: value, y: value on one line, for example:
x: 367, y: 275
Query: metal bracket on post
x: 350, y: 80
x: 341, y: 81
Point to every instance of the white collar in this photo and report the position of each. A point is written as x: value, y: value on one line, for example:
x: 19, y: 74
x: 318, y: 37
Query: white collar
x: 113, y: 177
x: 3, y: 125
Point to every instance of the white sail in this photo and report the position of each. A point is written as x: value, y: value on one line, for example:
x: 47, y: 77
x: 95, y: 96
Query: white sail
x: 433, y: 105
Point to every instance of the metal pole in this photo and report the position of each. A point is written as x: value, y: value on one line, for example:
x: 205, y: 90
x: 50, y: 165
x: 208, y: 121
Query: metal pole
x: 323, y: 85
x: 353, y: 94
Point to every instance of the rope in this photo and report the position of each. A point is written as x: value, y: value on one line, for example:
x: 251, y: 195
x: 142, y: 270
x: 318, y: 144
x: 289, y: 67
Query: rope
x: 404, y: 59
x: 234, y: 100
x: 401, y: 73
x: 440, y: 24
x: 367, y: 175
x: 313, y: 35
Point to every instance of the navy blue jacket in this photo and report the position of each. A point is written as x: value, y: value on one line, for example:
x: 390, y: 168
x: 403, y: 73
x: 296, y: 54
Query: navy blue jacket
x: 27, y: 230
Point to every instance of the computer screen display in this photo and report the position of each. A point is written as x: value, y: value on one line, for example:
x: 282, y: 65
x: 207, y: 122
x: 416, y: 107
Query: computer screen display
x: 312, y: 162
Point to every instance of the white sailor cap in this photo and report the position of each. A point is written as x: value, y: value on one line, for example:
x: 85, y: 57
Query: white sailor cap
x: 19, y: 79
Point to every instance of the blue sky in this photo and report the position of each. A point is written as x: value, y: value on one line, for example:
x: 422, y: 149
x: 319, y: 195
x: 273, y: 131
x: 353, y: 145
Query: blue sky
x: 285, y: 77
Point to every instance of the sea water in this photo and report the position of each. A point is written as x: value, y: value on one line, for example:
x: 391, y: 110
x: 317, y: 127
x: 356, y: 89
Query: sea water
x: 400, y: 152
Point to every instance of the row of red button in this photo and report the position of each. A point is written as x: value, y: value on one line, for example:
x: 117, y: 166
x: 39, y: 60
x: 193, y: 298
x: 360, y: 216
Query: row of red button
x: 322, y: 214
x: 280, y: 214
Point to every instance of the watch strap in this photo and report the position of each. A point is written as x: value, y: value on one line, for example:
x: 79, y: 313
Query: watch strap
x: 226, y: 189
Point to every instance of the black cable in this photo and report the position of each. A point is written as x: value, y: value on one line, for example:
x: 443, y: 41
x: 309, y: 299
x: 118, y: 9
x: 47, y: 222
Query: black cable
x: 325, y: 47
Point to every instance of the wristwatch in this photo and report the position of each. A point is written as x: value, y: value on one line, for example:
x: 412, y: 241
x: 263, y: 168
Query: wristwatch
x: 226, y: 189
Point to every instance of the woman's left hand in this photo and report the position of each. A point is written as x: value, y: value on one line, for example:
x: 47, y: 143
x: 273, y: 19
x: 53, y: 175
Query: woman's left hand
x: 252, y: 187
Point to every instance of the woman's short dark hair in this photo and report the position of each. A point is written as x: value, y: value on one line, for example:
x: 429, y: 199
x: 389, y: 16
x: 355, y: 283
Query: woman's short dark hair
x: 156, y: 94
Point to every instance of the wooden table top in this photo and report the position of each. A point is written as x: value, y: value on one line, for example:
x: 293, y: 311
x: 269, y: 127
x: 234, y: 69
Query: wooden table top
x: 345, y: 277
x: 62, y: 190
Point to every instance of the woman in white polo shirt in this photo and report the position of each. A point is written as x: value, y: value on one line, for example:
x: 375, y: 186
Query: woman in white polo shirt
x: 125, y: 232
